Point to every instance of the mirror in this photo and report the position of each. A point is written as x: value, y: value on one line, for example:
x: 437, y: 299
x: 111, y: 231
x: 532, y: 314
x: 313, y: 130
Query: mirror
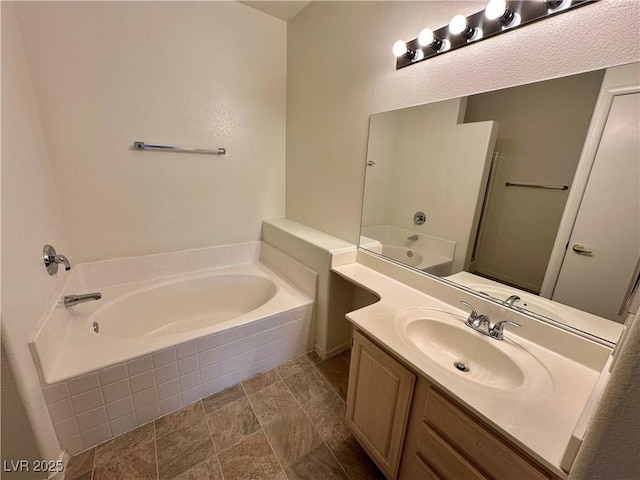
x: 473, y: 190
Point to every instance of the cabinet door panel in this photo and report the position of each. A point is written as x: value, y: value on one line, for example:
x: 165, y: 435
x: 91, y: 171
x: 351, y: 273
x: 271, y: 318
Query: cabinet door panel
x: 378, y: 401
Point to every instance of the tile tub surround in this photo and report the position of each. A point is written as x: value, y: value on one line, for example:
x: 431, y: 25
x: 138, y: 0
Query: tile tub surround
x: 92, y: 408
x: 285, y: 423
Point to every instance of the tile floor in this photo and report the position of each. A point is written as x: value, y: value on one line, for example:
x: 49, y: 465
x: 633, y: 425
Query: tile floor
x: 285, y: 423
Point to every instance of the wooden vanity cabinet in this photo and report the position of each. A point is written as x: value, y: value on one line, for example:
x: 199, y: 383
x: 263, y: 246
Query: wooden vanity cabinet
x: 413, y: 431
x: 452, y: 444
x: 378, y: 403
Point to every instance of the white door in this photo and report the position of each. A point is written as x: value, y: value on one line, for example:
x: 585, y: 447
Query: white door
x: 605, y: 242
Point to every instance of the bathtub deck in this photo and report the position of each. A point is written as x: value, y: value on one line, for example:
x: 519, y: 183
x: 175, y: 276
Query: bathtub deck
x: 287, y: 423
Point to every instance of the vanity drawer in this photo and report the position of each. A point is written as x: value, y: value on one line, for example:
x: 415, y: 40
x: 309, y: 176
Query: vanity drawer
x: 444, y: 458
x: 480, y: 445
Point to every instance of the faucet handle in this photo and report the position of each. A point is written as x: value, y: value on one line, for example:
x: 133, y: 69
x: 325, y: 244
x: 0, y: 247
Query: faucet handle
x: 474, y: 314
x: 497, y: 331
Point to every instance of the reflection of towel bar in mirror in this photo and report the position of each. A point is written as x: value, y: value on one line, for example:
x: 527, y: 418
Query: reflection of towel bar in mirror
x: 531, y: 185
x: 174, y: 148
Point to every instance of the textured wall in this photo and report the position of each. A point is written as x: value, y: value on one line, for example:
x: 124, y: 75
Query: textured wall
x: 340, y: 70
x: 30, y: 218
x: 209, y: 74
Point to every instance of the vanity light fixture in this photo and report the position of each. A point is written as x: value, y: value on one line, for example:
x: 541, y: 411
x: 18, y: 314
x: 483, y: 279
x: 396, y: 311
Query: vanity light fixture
x: 498, y: 17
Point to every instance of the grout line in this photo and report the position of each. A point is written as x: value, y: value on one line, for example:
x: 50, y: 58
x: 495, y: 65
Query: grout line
x: 155, y: 449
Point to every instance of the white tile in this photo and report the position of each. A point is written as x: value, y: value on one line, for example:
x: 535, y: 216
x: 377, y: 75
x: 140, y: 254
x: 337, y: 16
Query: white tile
x: 55, y: 393
x: 262, y: 352
x: 140, y: 365
x: 244, y: 345
x: 188, y: 365
x: 169, y: 389
x: 120, y: 408
x: 227, y: 351
x: 226, y: 336
x: 72, y: 445
x: 229, y: 379
x: 187, y: 349
x: 245, y: 359
x: 260, y: 339
x: 166, y: 373
x: 170, y: 404
x: 95, y: 436
x: 207, y: 343
x: 259, y: 326
x: 148, y: 413
x: 145, y: 398
x: 242, y: 332
x: 244, y: 373
x: 116, y: 390
x: 164, y: 357
x: 208, y: 357
x: 209, y: 388
x: 100, y: 274
x: 180, y: 262
x: 91, y: 419
x: 113, y: 374
x: 83, y: 383
x: 209, y: 373
x: 229, y: 365
x: 189, y: 381
x: 142, y: 382
x: 118, y: 271
x: 157, y: 266
x: 281, y: 319
x: 123, y: 424
x: 66, y: 428
x: 87, y: 401
x: 135, y: 269
x: 60, y: 410
x: 192, y: 395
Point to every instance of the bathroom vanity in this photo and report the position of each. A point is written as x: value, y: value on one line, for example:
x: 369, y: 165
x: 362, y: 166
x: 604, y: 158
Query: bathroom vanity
x: 431, y: 398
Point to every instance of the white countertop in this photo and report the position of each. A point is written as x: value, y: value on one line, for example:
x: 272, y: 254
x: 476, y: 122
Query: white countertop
x: 540, y: 421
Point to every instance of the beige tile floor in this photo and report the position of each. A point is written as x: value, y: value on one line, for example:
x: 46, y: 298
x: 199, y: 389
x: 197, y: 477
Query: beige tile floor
x: 286, y: 423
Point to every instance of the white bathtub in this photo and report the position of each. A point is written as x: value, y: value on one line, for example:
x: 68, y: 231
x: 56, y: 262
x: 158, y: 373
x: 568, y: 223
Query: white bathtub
x: 136, y: 319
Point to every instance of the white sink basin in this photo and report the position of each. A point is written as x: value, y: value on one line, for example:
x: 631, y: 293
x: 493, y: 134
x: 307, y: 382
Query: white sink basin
x: 443, y: 338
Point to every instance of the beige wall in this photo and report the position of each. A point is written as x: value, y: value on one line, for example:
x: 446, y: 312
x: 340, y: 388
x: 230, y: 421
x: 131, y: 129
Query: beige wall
x: 340, y: 70
x: 543, y: 127
x: 438, y: 165
x: 31, y: 218
x: 208, y: 74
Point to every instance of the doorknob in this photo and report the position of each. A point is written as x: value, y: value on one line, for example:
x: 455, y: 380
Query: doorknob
x: 579, y: 248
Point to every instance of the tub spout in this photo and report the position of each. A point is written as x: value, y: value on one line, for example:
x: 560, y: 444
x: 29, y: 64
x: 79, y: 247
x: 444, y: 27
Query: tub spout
x: 71, y: 300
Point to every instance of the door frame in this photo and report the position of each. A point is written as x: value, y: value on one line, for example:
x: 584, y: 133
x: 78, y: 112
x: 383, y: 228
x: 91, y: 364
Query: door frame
x: 623, y: 80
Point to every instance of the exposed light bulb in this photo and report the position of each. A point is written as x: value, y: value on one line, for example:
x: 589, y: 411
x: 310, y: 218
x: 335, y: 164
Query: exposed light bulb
x: 495, y: 9
x: 458, y: 24
x: 426, y: 38
x: 400, y: 48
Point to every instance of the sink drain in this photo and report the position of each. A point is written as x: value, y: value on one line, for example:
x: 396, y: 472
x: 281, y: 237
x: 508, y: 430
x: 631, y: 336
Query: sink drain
x: 461, y: 366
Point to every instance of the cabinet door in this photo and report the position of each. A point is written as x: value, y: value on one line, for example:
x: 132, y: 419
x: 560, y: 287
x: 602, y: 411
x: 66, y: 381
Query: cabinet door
x: 378, y: 402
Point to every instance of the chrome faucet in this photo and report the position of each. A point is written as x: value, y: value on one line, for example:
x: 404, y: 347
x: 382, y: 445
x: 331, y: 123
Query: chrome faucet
x: 71, y: 300
x: 413, y: 238
x: 482, y: 324
x: 511, y: 300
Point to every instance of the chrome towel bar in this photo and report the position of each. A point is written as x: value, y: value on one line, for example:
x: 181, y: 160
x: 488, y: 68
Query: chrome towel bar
x: 531, y: 185
x: 175, y: 148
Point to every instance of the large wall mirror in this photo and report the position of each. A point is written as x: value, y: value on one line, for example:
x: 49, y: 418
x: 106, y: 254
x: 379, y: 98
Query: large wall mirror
x: 480, y: 190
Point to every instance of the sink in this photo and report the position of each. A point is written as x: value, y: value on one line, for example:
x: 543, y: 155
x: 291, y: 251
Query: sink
x: 443, y: 338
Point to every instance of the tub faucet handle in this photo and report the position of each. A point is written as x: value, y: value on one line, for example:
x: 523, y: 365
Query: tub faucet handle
x: 52, y: 259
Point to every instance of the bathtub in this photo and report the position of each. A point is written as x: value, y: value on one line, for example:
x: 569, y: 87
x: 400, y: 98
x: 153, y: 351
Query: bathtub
x: 135, y: 319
